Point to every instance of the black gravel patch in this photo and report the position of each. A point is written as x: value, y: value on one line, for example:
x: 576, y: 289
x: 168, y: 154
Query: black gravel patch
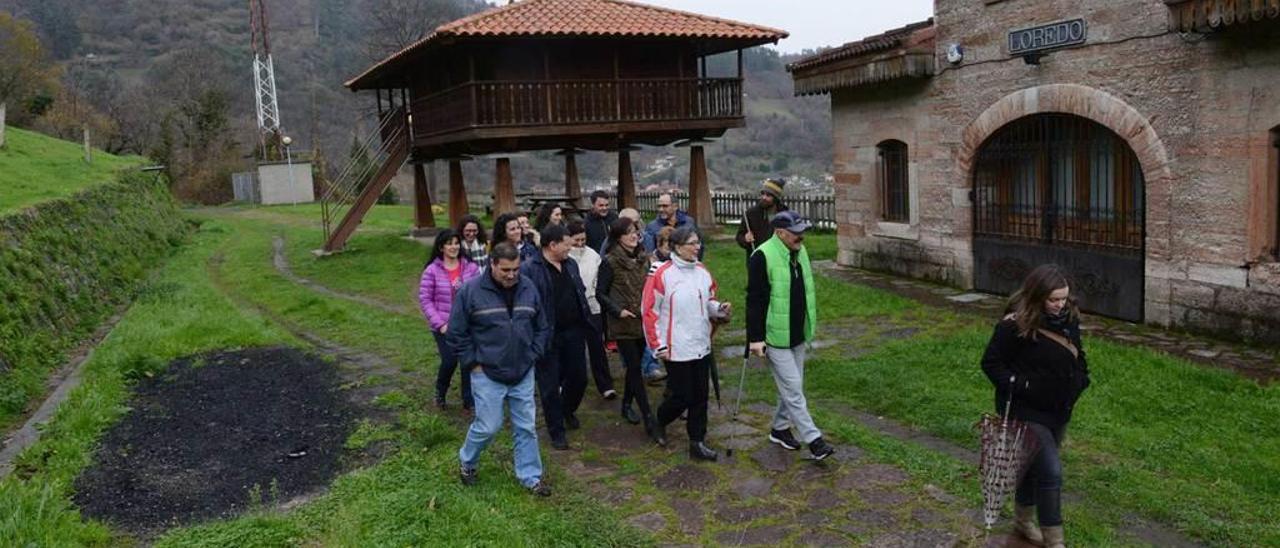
x: 215, y: 434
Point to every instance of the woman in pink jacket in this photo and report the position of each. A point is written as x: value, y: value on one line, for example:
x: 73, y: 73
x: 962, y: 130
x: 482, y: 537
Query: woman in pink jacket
x: 445, y: 273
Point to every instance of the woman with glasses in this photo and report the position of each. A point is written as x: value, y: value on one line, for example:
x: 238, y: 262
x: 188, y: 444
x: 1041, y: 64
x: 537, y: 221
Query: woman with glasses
x: 679, y: 306
x: 475, y: 243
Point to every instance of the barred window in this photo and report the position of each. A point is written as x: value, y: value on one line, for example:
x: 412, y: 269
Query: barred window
x: 895, y: 202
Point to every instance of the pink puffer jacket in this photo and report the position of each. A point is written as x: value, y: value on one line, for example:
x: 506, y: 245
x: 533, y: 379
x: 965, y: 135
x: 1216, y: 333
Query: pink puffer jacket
x: 435, y: 294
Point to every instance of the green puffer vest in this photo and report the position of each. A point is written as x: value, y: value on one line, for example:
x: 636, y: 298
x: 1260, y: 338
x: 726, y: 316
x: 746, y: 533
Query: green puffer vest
x: 777, y: 326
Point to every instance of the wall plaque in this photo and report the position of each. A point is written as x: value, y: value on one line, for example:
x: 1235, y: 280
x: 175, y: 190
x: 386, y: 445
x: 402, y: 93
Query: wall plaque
x: 1047, y: 37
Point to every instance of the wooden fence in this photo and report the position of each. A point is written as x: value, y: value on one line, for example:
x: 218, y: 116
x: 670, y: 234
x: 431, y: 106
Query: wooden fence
x: 729, y: 207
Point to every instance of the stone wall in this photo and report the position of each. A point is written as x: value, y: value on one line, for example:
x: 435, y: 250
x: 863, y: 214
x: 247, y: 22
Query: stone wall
x: 1196, y: 109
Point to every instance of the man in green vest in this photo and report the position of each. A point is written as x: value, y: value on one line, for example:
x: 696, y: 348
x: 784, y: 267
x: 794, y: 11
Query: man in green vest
x: 782, y: 313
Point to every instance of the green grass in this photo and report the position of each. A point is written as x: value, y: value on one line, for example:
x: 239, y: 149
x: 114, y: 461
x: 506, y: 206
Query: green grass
x: 178, y: 314
x: 35, y: 168
x: 1155, y: 436
x: 413, y: 497
x: 410, y: 498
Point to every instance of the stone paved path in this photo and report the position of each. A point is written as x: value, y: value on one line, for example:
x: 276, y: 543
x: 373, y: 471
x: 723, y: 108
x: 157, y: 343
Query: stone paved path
x: 1256, y: 363
x: 762, y: 494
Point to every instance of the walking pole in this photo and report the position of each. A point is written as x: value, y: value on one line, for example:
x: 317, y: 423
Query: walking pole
x: 742, y: 379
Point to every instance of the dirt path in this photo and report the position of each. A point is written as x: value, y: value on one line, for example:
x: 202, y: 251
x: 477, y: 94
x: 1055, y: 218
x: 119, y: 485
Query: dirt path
x: 281, y: 263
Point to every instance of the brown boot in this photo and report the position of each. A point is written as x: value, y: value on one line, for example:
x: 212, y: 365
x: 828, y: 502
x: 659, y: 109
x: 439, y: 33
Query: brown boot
x: 1024, y: 523
x: 1053, y: 537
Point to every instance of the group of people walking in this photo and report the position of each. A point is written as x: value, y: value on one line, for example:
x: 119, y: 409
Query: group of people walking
x: 536, y: 308
x: 533, y: 310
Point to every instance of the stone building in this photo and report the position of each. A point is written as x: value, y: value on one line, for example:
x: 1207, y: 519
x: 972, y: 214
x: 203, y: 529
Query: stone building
x: 1132, y: 141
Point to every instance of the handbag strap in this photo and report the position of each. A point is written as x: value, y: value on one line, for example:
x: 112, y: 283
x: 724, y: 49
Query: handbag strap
x: 1075, y: 352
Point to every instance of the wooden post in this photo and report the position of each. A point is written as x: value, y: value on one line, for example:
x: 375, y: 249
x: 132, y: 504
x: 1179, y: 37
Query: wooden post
x: 504, y: 194
x: 88, y: 150
x: 699, y: 189
x: 423, y: 217
x: 457, y: 192
x: 626, y: 181
x: 2, y: 108
x: 572, y: 188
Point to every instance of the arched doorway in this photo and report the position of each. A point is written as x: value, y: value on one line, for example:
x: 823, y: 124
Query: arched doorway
x: 1061, y: 188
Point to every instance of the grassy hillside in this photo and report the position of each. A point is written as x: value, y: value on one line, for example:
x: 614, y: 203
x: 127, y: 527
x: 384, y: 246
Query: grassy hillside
x: 35, y: 168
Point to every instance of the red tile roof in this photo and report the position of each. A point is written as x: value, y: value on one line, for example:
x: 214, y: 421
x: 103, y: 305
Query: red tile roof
x: 586, y: 18
x: 872, y: 44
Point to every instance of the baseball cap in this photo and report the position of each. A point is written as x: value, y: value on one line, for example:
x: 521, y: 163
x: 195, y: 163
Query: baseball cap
x: 791, y: 222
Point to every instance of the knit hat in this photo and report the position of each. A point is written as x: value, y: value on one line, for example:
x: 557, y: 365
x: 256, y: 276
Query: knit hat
x: 774, y: 187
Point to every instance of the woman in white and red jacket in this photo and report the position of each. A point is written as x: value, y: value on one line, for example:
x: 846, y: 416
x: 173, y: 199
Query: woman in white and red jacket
x: 445, y: 273
x: 679, y: 306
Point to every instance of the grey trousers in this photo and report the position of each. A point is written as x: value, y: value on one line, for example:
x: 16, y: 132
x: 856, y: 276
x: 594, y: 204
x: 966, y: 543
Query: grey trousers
x: 793, y: 410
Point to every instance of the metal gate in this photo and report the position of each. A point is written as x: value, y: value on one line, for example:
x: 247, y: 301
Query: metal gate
x: 1058, y: 188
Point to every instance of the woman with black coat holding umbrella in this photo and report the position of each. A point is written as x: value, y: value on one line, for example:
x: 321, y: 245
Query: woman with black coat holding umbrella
x: 1037, y: 363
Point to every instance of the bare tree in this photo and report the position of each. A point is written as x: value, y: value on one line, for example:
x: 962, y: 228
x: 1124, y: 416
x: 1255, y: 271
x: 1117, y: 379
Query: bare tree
x: 24, y: 65
x: 395, y: 24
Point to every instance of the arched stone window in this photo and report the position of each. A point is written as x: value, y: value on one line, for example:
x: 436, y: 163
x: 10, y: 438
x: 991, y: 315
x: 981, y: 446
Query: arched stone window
x: 894, y: 183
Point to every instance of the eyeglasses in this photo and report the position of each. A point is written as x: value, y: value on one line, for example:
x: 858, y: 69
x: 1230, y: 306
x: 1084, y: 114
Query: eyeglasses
x: 692, y: 242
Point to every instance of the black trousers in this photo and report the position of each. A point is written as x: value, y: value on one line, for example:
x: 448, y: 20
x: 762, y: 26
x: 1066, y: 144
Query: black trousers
x: 562, y: 378
x: 599, y: 358
x: 1042, y: 484
x: 449, y: 363
x: 687, y: 383
x: 632, y: 350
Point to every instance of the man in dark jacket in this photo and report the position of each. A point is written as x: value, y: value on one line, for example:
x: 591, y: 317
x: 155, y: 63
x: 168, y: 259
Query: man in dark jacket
x: 670, y: 214
x: 562, y: 372
x: 755, y: 228
x: 598, y: 221
x: 499, y: 329
x: 782, y: 315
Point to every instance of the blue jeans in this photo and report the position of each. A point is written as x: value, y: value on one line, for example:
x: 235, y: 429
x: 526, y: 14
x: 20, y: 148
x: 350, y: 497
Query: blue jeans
x: 490, y: 396
x: 649, y: 364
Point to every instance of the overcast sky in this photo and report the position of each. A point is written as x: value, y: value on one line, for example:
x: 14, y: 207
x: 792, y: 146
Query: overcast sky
x: 812, y: 23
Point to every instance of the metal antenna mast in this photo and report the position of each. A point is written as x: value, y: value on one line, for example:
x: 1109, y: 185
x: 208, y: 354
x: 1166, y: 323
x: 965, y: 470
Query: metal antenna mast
x: 264, y: 79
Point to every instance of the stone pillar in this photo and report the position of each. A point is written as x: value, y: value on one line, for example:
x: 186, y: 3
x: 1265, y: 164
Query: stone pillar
x: 626, y: 181
x: 457, y: 192
x: 504, y: 194
x: 423, y: 217
x: 699, y: 189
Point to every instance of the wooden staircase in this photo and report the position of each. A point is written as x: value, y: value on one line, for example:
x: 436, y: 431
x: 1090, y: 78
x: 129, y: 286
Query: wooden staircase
x: 345, y: 199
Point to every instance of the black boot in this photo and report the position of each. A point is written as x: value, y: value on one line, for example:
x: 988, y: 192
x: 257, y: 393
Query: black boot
x: 657, y: 432
x: 699, y: 451
x: 629, y: 413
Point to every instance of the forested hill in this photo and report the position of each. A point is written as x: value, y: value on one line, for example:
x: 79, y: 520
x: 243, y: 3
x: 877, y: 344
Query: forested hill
x: 131, y: 57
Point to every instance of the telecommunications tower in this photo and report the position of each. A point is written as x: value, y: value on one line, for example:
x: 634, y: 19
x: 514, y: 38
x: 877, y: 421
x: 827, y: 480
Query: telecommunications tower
x: 264, y: 81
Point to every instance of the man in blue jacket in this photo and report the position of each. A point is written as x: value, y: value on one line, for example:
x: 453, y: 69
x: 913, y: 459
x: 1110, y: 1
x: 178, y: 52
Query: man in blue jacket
x: 562, y: 373
x: 499, y: 330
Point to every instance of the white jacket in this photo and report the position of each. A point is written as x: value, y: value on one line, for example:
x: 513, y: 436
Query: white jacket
x: 589, y: 266
x: 679, y: 303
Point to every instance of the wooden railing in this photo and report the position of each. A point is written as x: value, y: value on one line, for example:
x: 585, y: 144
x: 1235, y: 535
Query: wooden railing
x: 565, y: 102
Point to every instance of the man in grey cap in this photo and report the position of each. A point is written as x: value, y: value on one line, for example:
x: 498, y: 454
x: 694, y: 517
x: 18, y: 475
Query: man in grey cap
x: 782, y: 315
